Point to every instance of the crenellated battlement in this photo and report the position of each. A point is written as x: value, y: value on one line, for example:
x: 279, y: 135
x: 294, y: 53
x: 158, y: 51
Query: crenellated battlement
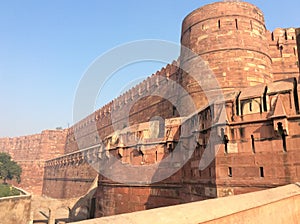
x: 231, y: 38
x: 31, y: 152
x: 282, y: 34
x: 23, y: 142
x: 140, y: 89
x: 249, y: 141
x: 102, y: 117
x: 283, y: 48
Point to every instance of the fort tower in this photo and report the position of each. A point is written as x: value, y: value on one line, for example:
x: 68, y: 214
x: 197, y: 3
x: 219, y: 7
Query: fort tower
x: 231, y: 38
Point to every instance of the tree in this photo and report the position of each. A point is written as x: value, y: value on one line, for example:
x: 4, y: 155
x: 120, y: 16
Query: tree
x: 9, y: 169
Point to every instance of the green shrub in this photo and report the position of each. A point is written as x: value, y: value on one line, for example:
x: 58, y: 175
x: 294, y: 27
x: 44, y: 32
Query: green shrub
x: 7, y: 190
x: 9, y: 169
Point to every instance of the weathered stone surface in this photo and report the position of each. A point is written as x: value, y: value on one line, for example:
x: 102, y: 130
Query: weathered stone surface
x: 31, y: 152
x: 275, y: 206
x: 16, y: 209
x: 257, y: 148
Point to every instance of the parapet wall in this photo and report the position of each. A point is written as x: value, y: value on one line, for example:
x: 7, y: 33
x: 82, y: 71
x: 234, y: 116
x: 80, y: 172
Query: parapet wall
x: 276, y: 206
x: 16, y: 209
x: 68, y: 176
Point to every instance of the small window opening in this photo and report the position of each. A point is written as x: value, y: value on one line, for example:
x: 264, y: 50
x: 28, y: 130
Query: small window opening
x: 232, y: 133
x: 156, y: 157
x: 170, y: 149
x: 237, y: 106
x: 282, y: 133
x: 225, y: 140
x: 236, y: 24
x: 226, y: 144
x: 142, y: 154
x: 272, y: 36
x: 285, y: 35
x: 253, y: 143
x: 250, y: 106
x: 242, y: 132
x: 230, y: 171
x: 219, y: 24
x: 261, y: 172
x: 281, y: 50
x: 290, y: 99
x: 284, y: 143
x: 265, y: 106
x: 296, y: 97
x: 174, y: 110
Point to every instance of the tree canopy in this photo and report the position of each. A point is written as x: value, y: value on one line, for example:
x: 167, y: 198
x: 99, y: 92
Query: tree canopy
x: 9, y: 169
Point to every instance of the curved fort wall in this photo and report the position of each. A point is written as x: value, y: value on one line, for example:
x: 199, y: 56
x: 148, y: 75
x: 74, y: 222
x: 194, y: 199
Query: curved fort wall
x: 231, y: 38
x: 233, y: 41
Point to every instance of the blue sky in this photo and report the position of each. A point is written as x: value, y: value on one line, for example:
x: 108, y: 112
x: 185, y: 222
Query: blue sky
x: 46, y: 46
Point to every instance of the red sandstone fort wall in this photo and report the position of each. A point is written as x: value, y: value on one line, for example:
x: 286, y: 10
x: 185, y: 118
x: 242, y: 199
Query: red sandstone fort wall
x: 277, y: 206
x: 68, y: 177
x: 231, y: 38
x: 239, y: 51
x: 141, y: 102
x: 254, y: 158
x: 284, y: 53
x: 31, y: 152
x: 188, y: 184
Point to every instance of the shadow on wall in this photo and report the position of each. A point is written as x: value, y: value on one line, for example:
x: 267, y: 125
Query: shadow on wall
x: 84, y: 208
x: 53, y: 211
x: 276, y: 206
x: 187, y: 190
x: 185, y: 183
x: 189, y: 183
